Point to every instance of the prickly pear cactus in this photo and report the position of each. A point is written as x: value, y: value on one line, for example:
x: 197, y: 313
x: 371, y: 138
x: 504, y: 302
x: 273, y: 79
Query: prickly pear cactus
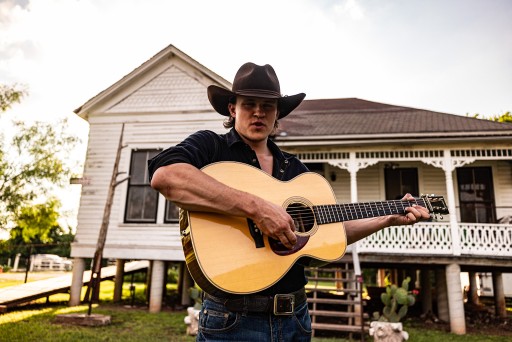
x: 396, y: 301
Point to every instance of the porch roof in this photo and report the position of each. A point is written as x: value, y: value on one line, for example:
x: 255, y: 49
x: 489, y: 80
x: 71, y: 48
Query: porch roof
x: 352, y: 117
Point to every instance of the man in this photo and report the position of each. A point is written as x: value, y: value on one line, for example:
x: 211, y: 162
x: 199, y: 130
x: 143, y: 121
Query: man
x: 253, y: 107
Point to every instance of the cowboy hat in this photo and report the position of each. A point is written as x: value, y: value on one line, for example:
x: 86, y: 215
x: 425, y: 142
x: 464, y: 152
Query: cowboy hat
x: 256, y: 81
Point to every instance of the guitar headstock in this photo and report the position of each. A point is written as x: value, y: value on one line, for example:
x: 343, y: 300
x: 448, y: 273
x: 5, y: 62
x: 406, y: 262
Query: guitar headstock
x: 435, y: 204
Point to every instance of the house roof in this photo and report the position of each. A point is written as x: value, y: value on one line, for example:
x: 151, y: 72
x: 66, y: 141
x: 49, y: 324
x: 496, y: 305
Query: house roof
x: 124, y: 83
x: 349, y: 117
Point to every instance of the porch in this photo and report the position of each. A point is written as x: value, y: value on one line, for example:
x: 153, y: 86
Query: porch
x: 431, y: 254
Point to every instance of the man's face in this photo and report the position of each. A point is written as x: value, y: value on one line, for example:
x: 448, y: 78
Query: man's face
x: 254, y: 117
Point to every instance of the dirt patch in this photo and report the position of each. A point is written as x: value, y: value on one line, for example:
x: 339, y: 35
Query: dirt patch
x: 479, y: 320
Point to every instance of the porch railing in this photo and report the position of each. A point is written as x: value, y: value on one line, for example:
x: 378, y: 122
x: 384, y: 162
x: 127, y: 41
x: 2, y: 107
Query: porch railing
x: 434, y: 238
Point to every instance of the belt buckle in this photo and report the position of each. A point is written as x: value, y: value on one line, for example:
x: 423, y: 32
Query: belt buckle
x: 284, y: 304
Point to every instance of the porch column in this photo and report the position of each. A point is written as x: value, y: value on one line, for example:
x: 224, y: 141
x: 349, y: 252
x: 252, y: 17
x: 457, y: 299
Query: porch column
x: 426, y: 291
x: 118, y: 280
x: 499, y: 294
x: 449, y: 167
x: 352, y: 169
x: 77, y: 281
x: 455, y: 299
x: 442, y: 296
x: 473, y: 289
x: 157, y: 286
x: 353, y: 166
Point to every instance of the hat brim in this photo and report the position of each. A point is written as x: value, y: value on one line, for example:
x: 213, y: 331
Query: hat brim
x: 219, y: 98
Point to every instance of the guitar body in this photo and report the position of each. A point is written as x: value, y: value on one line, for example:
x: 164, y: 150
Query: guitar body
x: 223, y: 256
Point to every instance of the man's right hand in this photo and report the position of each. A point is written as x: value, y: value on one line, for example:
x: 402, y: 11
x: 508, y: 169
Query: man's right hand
x: 275, y: 222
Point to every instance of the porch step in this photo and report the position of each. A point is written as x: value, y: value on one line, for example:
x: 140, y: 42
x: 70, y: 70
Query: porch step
x: 340, y: 327
x: 334, y: 301
x: 334, y: 298
x: 328, y: 313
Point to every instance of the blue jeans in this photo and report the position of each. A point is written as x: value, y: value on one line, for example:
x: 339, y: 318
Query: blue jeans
x: 216, y: 323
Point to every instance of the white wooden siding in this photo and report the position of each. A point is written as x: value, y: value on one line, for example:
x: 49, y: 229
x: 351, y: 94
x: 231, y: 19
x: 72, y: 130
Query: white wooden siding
x: 503, y: 188
x: 341, y: 186
x: 369, y: 184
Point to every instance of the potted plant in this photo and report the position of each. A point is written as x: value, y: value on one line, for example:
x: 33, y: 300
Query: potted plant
x: 386, y: 325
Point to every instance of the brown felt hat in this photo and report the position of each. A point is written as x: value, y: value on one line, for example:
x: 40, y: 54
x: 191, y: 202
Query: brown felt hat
x: 257, y: 81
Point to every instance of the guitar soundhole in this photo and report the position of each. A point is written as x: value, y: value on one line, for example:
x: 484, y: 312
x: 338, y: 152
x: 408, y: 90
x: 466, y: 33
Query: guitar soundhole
x: 303, y: 217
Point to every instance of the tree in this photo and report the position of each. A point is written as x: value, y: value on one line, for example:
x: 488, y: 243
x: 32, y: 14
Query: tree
x: 34, y: 223
x: 32, y: 163
x: 38, y: 231
x: 507, y: 117
x: 10, y: 95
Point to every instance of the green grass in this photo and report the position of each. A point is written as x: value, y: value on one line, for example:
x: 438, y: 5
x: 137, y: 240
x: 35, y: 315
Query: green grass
x: 136, y: 324
x: 8, y: 282
x: 35, y: 322
x: 128, y: 324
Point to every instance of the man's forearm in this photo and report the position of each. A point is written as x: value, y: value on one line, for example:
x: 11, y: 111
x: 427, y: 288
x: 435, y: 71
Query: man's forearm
x: 191, y: 189
x: 359, y: 229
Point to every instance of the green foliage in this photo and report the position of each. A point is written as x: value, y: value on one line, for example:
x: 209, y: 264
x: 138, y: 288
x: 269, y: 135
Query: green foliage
x: 33, y: 167
x: 37, y: 232
x: 196, y: 294
x: 396, y: 301
x: 507, y: 117
x: 35, y: 222
x: 10, y: 95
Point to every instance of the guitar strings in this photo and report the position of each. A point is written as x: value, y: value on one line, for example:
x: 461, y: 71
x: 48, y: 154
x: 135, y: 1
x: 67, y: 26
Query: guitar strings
x: 306, y: 215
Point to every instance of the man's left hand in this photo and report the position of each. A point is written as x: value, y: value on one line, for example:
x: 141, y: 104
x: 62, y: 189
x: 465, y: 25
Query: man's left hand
x: 414, y: 213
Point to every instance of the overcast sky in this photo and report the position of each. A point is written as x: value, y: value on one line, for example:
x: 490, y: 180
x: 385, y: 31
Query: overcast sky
x: 452, y: 56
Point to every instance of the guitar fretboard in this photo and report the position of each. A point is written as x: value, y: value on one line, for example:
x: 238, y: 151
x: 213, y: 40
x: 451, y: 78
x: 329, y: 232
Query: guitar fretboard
x: 331, y: 213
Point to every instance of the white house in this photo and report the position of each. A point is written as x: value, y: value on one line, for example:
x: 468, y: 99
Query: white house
x: 367, y: 151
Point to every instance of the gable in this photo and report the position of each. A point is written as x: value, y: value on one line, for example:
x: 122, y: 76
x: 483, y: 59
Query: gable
x: 168, y: 82
x: 171, y: 90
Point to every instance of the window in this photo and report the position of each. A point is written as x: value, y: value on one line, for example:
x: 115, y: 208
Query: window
x: 399, y: 181
x: 142, y: 200
x: 476, y: 195
x: 171, y: 212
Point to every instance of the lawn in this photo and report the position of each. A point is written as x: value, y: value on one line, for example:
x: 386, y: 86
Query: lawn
x: 136, y: 324
x: 35, y: 322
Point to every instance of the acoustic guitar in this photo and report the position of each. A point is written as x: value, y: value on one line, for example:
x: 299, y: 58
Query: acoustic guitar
x: 229, y: 254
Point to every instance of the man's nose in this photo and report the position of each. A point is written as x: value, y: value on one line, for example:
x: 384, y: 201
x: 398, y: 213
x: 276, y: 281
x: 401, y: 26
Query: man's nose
x: 259, y: 111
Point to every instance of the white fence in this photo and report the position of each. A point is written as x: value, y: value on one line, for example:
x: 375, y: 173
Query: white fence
x: 486, y: 239
x: 50, y: 262
x: 436, y: 239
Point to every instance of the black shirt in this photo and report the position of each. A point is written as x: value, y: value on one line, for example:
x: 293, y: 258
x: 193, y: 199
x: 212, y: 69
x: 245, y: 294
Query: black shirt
x: 205, y: 147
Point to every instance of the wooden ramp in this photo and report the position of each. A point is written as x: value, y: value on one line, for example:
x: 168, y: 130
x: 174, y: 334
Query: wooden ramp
x: 25, y: 293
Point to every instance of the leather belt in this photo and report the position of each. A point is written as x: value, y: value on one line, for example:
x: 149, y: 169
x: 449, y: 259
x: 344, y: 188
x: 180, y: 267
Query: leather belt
x: 279, y: 304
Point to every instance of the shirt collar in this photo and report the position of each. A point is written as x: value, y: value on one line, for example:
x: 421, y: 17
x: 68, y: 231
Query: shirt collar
x: 232, y: 137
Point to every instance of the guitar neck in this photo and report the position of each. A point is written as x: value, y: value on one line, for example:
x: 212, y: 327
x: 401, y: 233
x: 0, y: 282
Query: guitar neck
x: 332, y: 213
